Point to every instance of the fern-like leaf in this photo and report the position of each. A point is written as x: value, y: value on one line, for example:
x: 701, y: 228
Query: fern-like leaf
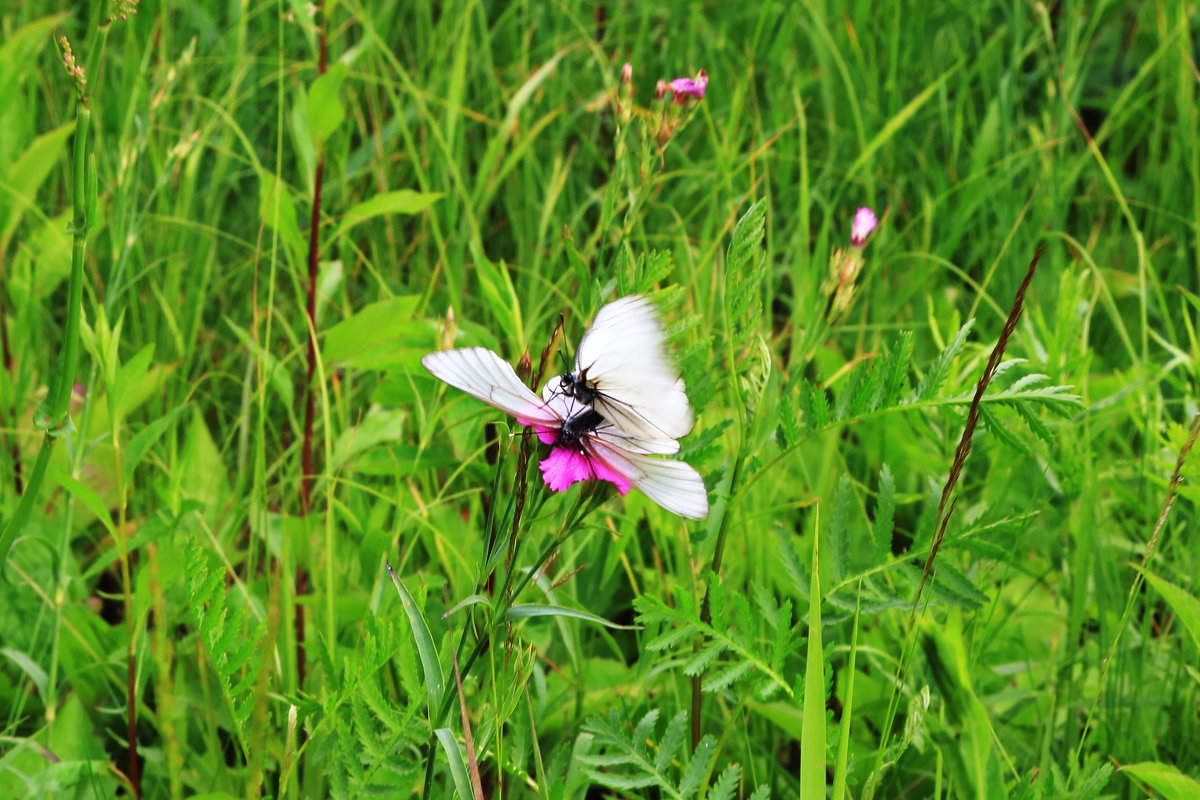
x: 231, y: 643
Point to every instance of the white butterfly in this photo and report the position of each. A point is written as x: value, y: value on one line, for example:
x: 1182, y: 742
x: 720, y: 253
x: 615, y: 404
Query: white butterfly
x: 623, y: 371
x: 586, y: 444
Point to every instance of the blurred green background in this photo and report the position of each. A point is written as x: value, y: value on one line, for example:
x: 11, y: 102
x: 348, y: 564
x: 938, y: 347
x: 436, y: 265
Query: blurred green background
x: 480, y: 178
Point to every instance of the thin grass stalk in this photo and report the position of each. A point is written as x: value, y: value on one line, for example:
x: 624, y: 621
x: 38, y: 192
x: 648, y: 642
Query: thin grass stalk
x: 1135, y: 587
x: 945, y: 504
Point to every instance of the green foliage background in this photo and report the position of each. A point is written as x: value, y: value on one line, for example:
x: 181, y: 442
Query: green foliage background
x: 478, y: 183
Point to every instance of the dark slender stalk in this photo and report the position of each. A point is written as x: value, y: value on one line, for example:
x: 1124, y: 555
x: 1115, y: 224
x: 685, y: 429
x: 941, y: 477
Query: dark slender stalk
x: 964, y: 443
x: 306, y: 453
x: 14, y: 449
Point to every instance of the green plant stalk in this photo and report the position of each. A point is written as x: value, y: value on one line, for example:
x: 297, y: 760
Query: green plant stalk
x: 53, y: 414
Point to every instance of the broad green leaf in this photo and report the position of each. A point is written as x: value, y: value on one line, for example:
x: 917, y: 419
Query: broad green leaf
x: 144, y: 439
x: 29, y: 667
x: 277, y: 210
x: 1165, y: 779
x: 379, y: 335
x: 402, y: 201
x: 1184, y: 604
x: 129, y: 378
x: 325, y: 112
x: 20, y: 48
x: 26, y: 176
x: 84, y: 494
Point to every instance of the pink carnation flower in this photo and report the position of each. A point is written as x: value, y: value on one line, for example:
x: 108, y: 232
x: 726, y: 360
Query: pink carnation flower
x: 683, y: 88
x: 864, y: 222
x: 568, y: 463
x: 565, y: 466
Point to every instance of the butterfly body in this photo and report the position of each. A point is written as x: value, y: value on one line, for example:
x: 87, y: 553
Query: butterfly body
x: 577, y: 386
x: 580, y: 425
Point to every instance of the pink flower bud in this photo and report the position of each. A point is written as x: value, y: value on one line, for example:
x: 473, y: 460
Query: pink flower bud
x: 660, y: 89
x: 627, y: 73
x: 864, y: 223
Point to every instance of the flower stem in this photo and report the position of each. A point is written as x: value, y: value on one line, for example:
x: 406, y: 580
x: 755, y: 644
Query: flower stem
x: 53, y: 414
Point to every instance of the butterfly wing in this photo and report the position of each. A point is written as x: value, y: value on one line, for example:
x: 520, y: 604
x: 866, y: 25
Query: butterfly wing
x: 671, y: 484
x: 624, y: 357
x: 485, y: 376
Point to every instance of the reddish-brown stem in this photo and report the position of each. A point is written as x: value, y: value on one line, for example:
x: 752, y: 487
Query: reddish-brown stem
x: 14, y: 450
x: 306, y: 452
x: 964, y: 443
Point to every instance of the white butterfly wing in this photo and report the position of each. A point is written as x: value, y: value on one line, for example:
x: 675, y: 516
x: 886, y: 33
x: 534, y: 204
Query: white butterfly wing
x: 624, y: 356
x: 673, y: 485
x: 485, y: 376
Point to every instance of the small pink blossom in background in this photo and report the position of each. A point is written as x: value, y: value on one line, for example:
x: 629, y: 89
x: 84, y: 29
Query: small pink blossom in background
x: 660, y: 89
x: 626, y: 72
x: 565, y: 466
x: 684, y: 88
x: 864, y: 222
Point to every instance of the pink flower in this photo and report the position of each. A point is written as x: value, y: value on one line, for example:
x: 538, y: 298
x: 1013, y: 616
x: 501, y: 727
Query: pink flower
x: 570, y: 462
x: 565, y: 466
x: 683, y: 88
x: 626, y: 72
x: 864, y: 223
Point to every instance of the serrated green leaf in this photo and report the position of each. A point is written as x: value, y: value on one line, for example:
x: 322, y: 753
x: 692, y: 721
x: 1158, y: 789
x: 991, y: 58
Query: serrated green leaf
x: 698, y: 767
x: 644, y: 730
x: 938, y: 371
x: 726, y: 784
x: 885, y: 517
x: 668, y: 746
x: 728, y: 676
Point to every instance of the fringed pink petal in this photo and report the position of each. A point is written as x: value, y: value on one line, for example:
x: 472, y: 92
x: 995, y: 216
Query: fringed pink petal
x: 564, y: 467
x: 604, y: 472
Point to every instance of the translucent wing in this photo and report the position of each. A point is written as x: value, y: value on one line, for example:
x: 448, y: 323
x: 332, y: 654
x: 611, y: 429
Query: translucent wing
x: 485, y: 376
x: 671, y: 484
x: 623, y: 356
